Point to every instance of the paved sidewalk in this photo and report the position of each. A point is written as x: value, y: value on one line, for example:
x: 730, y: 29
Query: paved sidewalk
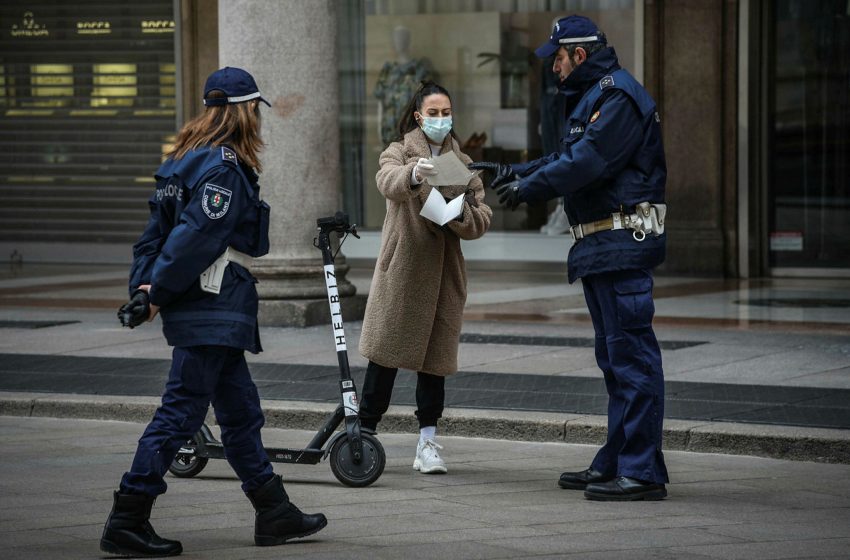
x: 813, y: 407
x: 754, y: 367
x: 499, y: 500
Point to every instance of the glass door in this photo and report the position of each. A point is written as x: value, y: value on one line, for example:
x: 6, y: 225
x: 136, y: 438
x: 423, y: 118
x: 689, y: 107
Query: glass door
x: 808, y: 135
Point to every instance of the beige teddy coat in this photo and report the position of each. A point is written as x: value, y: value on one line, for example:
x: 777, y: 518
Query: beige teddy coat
x: 415, y: 306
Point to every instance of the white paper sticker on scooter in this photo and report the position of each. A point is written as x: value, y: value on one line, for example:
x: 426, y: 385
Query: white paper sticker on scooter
x: 349, y: 403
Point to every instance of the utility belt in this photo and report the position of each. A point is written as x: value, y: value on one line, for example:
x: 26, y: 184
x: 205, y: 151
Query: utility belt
x: 647, y: 218
x: 211, y: 277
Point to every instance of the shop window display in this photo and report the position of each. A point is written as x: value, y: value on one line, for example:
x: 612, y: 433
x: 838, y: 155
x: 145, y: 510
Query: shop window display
x: 481, y: 51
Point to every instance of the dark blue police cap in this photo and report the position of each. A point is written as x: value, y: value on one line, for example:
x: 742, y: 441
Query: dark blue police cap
x: 570, y: 30
x: 237, y: 84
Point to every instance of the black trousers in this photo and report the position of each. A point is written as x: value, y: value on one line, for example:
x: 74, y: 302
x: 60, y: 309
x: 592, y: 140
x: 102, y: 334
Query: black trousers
x: 378, y: 389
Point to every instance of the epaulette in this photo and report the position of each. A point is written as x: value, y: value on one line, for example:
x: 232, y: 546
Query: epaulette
x: 606, y: 82
x: 229, y: 155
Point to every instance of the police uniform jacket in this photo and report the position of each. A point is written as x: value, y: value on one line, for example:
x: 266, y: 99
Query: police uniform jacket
x: 415, y: 308
x: 204, y: 202
x: 611, y: 158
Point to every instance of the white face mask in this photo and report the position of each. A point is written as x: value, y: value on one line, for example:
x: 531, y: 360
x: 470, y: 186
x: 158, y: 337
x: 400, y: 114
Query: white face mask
x: 436, y: 128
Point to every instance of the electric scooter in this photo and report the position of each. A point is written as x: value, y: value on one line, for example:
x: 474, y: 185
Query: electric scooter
x: 357, y: 458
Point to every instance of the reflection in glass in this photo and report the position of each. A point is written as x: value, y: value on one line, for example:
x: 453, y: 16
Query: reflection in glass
x: 114, y: 85
x: 482, y: 52
x: 50, y: 83
x: 85, y: 114
x: 809, y: 144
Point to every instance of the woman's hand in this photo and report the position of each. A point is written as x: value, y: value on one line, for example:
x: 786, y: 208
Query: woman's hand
x: 469, y: 197
x: 424, y: 168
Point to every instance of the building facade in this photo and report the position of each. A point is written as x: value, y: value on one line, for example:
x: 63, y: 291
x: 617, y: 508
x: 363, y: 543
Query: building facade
x: 754, y: 98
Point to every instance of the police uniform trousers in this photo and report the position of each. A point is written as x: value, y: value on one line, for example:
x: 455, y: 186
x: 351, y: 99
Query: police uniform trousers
x: 628, y: 354
x: 201, y: 375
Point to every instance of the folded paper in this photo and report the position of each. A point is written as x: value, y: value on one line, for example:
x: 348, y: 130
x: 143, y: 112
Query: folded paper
x: 438, y: 211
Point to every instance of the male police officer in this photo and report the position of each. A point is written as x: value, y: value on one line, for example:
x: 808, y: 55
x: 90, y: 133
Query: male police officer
x: 611, y: 172
x: 207, y: 222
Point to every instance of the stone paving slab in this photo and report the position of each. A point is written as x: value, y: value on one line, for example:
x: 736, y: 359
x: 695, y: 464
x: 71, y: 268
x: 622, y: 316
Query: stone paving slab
x: 499, y: 500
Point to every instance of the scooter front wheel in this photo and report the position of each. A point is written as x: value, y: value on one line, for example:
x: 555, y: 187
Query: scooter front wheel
x: 187, y: 465
x: 370, y: 467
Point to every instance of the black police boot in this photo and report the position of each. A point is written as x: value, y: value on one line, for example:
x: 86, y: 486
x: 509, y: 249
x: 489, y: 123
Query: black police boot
x: 278, y: 520
x: 580, y: 480
x: 129, y: 533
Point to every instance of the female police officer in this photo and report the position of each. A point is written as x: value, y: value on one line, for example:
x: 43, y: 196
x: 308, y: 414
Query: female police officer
x: 206, y: 202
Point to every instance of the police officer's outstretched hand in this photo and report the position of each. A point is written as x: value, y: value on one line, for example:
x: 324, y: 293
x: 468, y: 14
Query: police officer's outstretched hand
x: 509, y: 195
x: 502, y: 172
x: 136, y: 311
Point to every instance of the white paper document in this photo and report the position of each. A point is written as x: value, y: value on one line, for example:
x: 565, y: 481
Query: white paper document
x: 438, y: 210
x: 449, y: 171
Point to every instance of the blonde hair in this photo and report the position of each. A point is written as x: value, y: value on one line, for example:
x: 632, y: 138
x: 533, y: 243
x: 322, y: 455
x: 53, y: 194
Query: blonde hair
x: 236, y: 125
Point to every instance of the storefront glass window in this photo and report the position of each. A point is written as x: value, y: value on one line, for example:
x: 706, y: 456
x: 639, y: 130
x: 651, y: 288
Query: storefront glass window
x: 481, y: 51
x: 88, y: 104
x: 809, y: 135
x: 114, y: 85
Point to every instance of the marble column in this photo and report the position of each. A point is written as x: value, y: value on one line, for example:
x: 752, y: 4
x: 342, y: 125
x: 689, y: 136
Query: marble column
x: 289, y: 46
x: 699, y: 124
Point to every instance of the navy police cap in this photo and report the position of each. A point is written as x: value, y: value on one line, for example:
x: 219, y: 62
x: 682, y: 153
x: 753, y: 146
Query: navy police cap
x: 570, y: 30
x: 237, y: 85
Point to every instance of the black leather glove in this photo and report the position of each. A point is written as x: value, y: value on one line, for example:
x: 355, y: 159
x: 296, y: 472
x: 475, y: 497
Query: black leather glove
x: 136, y: 311
x: 502, y: 172
x: 509, y: 195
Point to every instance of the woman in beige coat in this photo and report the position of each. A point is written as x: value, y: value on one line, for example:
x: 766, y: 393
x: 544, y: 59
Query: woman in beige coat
x: 415, y: 308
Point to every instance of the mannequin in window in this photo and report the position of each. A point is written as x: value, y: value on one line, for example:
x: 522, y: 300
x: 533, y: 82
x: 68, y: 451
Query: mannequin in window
x: 397, y: 81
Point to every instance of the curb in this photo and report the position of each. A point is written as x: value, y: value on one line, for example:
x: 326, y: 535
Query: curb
x: 780, y: 442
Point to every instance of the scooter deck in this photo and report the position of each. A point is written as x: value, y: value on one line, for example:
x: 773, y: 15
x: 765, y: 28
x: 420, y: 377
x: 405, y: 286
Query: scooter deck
x: 215, y: 450
x: 299, y: 456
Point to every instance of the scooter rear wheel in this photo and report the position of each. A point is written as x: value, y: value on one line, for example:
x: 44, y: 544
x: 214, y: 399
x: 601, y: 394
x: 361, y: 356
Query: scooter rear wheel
x: 370, y: 467
x: 187, y: 465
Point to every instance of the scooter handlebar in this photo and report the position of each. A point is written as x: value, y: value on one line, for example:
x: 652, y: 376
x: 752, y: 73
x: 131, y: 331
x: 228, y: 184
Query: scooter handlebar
x: 338, y: 223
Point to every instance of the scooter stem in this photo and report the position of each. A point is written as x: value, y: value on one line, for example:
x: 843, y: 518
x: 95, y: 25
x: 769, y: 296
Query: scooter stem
x: 348, y: 392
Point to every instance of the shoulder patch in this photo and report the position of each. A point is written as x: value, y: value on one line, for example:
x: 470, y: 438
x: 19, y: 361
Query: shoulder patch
x: 606, y: 82
x: 215, y: 201
x: 228, y: 155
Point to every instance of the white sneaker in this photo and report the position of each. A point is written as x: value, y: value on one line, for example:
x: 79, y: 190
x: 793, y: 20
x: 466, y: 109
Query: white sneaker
x: 428, y: 460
